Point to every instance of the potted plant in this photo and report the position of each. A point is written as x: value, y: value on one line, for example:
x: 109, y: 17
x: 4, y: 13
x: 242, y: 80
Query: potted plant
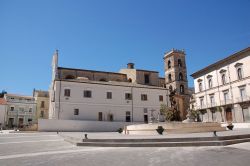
x: 120, y: 130
x: 160, y: 130
x: 230, y: 126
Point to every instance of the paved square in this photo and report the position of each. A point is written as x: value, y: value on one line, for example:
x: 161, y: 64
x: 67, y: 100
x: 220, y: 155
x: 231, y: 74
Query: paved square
x: 49, y: 149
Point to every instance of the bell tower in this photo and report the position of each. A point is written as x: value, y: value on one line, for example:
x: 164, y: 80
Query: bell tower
x: 176, y: 77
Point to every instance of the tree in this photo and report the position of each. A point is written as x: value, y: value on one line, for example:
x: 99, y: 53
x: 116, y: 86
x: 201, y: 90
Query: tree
x: 167, y: 112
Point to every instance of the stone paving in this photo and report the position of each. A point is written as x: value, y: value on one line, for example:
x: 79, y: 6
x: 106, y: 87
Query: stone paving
x: 49, y: 149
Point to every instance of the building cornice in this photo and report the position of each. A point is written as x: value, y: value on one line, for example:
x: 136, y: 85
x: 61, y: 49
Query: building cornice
x: 217, y: 64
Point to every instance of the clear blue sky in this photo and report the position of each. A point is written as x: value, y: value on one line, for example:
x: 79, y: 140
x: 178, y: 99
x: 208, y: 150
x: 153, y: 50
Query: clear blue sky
x: 106, y: 34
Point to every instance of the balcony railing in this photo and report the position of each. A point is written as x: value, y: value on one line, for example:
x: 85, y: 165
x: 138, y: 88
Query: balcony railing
x: 19, y: 113
x: 213, y: 104
x: 243, y: 99
x: 226, y: 102
x: 199, y: 107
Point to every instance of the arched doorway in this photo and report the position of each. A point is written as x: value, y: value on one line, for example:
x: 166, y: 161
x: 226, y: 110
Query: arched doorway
x: 229, y: 116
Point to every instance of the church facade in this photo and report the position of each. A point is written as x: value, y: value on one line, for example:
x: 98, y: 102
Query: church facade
x: 130, y: 95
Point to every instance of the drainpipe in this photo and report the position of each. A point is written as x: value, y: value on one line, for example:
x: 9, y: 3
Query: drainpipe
x: 205, y: 90
x: 231, y: 89
x: 132, y: 103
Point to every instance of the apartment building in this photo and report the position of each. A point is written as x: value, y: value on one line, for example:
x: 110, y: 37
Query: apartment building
x: 222, y: 89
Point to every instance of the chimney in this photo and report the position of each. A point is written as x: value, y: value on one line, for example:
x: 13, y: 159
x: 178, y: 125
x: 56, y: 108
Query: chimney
x: 130, y: 65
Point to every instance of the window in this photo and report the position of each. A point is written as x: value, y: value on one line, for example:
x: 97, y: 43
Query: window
x: 223, y: 79
x: 200, y: 86
x: 42, y: 114
x: 146, y: 79
x: 226, y: 96
x: 12, y: 108
x: 182, y: 89
x: 169, y: 78
x: 144, y: 97
x: 67, y: 92
x: 169, y: 64
x: 109, y: 95
x: 239, y: 73
x: 30, y: 109
x: 21, y: 109
x: 110, y: 117
x: 87, y: 93
x: 129, y: 80
x: 242, y: 92
x: 100, y: 116
x: 179, y: 63
x: 128, y: 96
x: 42, y: 104
x: 160, y: 98
x: 29, y: 120
x: 202, y: 102
x: 180, y: 76
x: 76, y: 111
x: 210, y: 84
x: 212, y: 100
x: 103, y: 79
x: 69, y: 77
x: 128, y: 117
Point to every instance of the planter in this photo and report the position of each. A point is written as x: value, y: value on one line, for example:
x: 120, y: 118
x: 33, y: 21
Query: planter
x: 160, y: 130
x: 230, y: 127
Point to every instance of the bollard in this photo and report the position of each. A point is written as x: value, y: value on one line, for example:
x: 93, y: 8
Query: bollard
x: 86, y: 136
x: 215, y: 134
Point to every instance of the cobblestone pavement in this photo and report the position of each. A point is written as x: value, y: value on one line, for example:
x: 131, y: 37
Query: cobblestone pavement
x: 49, y: 149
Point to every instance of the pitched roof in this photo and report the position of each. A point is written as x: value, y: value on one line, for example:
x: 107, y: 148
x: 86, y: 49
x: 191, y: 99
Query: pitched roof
x: 3, y: 101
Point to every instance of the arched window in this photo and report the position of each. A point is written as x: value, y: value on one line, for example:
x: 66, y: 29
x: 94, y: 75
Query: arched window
x: 180, y: 76
x: 169, y: 64
x: 169, y: 77
x: 200, y: 86
x: 70, y: 77
x: 170, y: 88
x: 239, y: 73
x: 129, y: 80
x: 223, y: 79
x: 210, y: 84
x: 182, y: 89
x: 179, y: 63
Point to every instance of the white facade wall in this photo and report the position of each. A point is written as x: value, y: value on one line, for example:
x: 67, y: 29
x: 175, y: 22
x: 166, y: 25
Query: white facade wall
x: 3, y: 114
x: 233, y: 85
x: 117, y: 106
x: 80, y: 126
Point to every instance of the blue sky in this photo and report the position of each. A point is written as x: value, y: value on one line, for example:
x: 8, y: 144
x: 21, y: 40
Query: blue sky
x: 107, y: 34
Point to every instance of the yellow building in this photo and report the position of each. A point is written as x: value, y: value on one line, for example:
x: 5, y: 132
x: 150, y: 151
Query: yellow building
x: 42, y: 104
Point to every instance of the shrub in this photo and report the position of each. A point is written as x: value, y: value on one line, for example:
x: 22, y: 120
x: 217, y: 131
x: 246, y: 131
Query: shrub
x: 120, y: 130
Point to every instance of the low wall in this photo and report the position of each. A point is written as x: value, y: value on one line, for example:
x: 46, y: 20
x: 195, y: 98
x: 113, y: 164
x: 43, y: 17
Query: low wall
x: 174, y: 128
x: 238, y: 125
x: 77, y: 125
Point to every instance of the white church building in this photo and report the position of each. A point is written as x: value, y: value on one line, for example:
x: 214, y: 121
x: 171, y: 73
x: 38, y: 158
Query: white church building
x: 128, y: 96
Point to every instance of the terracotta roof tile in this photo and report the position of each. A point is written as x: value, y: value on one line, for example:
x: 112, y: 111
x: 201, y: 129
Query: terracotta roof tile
x: 3, y: 101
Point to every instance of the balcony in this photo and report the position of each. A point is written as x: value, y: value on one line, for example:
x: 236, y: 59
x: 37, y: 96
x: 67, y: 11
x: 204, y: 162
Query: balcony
x: 213, y: 104
x: 24, y: 113
x: 243, y: 99
x: 226, y: 102
x: 200, y: 107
